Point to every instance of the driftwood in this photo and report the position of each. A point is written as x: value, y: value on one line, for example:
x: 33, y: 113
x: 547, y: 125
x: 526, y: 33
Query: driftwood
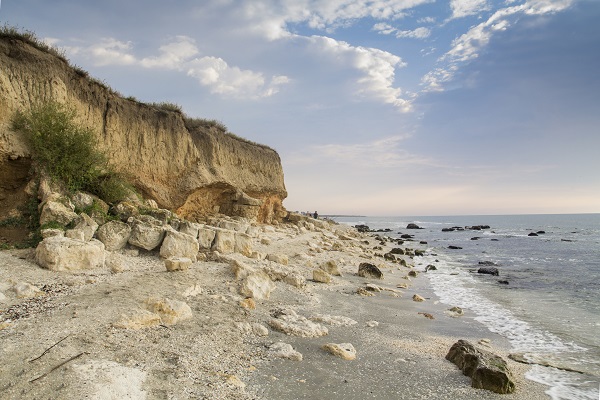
x: 49, y: 348
x: 58, y: 366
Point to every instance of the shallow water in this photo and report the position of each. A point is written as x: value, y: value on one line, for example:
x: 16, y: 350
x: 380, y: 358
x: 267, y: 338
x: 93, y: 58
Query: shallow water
x: 550, y: 308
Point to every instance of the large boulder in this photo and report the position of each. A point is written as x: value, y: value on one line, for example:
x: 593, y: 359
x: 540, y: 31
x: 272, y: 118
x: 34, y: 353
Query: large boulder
x: 206, y: 237
x: 190, y: 228
x: 86, y: 228
x: 257, y: 285
x: 290, y: 323
x: 114, y: 235
x: 486, y: 370
x: 224, y: 241
x: 59, y: 253
x: 58, y: 212
x: 177, y: 244
x: 147, y: 234
x: 367, y: 270
x: 488, y: 270
x: 243, y: 244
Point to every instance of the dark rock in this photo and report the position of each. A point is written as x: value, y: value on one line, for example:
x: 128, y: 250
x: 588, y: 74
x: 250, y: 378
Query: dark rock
x: 448, y: 229
x: 486, y: 370
x: 565, y: 240
x: 407, y: 236
x: 532, y: 234
x: 495, y: 240
x: 413, y: 226
x: 362, y: 228
x: 397, y: 250
x: 413, y: 273
x: 475, y: 238
x: 455, y: 247
x: 540, y: 232
x: 430, y: 267
x: 488, y: 263
x: 503, y: 282
x: 419, y: 253
x: 367, y: 270
x: 488, y: 270
x: 389, y: 257
x: 422, y: 242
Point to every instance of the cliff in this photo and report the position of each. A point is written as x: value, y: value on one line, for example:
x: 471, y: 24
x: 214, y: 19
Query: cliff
x: 193, y: 170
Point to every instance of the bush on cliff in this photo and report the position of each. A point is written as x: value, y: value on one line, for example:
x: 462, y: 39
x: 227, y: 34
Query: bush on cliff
x: 67, y: 151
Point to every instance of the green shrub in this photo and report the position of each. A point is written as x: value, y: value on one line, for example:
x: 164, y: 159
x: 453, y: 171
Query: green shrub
x: 68, y: 153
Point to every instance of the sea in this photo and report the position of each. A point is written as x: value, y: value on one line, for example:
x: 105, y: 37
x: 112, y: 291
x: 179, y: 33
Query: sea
x: 548, y: 305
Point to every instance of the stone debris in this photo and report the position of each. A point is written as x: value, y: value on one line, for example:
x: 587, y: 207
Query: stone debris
x: 257, y: 285
x: 368, y: 270
x: 63, y: 254
x: 343, y: 350
x: 284, y: 350
x: 321, y: 276
x: 25, y: 290
x: 138, y: 320
x: 372, y: 324
x: 179, y: 245
x: 418, y: 298
x: 170, y: 311
x: 177, y: 264
x: 333, y: 320
x: 290, y: 323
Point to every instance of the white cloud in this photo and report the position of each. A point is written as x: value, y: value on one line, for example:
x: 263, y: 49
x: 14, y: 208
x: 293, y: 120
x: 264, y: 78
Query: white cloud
x: 222, y: 79
x: 426, y: 20
x: 464, y: 8
x: 108, y: 51
x: 172, y: 55
x: 419, y: 33
x: 468, y: 46
x: 384, y: 28
x: 377, y: 68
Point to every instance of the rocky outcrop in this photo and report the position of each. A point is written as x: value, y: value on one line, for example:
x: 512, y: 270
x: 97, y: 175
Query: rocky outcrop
x: 487, y: 370
x: 186, y: 167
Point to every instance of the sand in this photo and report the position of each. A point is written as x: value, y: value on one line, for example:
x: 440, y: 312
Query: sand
x: 215, y: 353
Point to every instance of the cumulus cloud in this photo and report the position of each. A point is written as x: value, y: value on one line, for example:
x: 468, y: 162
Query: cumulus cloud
x: 220, y: 78
x: 377, y: 68
x: 419, y: 33
x: 464, y: 8
x: 179, y: 55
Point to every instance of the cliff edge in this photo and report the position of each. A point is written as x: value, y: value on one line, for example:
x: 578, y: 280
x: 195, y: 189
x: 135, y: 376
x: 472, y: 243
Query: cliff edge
x: 193, y: 169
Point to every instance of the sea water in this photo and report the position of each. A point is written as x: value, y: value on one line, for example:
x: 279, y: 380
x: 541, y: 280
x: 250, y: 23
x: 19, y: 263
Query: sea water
x: 550, y: 308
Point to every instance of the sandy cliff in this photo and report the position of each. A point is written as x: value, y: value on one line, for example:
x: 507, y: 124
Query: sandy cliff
x: 195, y: 172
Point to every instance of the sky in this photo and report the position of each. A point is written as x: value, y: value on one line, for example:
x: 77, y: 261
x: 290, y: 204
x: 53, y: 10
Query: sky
x: 397, y: 107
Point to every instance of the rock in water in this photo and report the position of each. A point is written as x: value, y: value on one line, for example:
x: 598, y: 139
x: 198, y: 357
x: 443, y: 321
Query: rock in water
x: 487, y: 370
x: 488, y: 270
x: 367, y: 270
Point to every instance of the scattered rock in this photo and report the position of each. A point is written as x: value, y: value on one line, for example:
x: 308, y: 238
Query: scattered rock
x: 278, y: 258
x: 248, y: 303
x: 367, y: 270
x: 488, y: 263
x: 114, y: 235
x: 224, y: 241
x: 364, y: 292
x: 55, y: 211
x: 321, y: 276
x: 257, y: 285
x: 503, y: 282
x: 426, y: 315
x: 25, y: 290
x: 290, y: 323
x: 285, y: 350
x: 331, y: 268
x: 430, y: 267
x: 488, y: 270
x: 455, y: 247
x: 170, y: 311
x: 418, y: 298
x: 147, y: 234
x: 372, y: 288
x: 487, y: 370
x: 413, y: 274
x: 259, y: 330
x: 138, y: 320
x: 206, y: 237
x: 532, y: 234
x: 178, y: 264
x: 333, y: 320
x: 372, y: 324
x: 456, y: 312
x: 179, y: 245
x: 343, y: 350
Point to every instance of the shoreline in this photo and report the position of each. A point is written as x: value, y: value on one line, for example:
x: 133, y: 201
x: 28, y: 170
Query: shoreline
x: 215, y: 353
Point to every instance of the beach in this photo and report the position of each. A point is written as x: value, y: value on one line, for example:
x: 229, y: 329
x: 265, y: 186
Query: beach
x: 89, y: 334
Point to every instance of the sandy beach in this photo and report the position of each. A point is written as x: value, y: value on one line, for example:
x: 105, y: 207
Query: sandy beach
x: 90, y: 334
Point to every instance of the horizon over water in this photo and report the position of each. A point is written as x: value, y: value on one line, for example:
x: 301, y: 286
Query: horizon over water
x: 550, y: 308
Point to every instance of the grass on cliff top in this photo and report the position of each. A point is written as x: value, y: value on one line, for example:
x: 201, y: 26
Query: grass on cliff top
x: 29, y: 37
x: 68, y: 151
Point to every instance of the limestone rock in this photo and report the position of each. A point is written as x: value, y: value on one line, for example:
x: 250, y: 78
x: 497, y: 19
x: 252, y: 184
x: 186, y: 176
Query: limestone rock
x: 224, y: 241
x: 177, y: 264
x: 179, y: 245
x: 243, y: 244
x: 170, y: 311
x: 25, y: 290
x: 295, y: 280
x: 418, y: 298
x: 86, y: 225
x: 138, y: 320
x: 114, y: 235
x: 115, y: 262
x: 206, y: 237
x: 367, y: 270
x: 248, y: 303
x: 126, y: 210
x: 260, y: 330
x: 46, y: 233
x: 331, y: 268
x: 257, y: 285
x: 372, y: 288
x: 147, y: 234
x: 190, y: 228
x: 241, y: 270
x: 56, y: 211
x: 372, y: 324
x: 321, y: 276
x: 63, y: 254
x: 487, y: 370
x: 333, y: 320
x: 343, y: 350
x: 290, y: 323
x: 278, y: 258
x: 285, y: 350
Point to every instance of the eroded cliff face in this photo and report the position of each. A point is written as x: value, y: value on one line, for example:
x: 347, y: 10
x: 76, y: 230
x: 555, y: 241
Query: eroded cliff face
x: 195, y: 172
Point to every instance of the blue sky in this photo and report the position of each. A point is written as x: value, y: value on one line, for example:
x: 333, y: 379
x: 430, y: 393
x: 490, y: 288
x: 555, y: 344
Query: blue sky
x: 398, y: 107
